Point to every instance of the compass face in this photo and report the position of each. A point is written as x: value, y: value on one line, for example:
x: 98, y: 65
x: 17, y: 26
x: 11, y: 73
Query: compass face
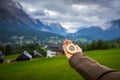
x: 71, y: 48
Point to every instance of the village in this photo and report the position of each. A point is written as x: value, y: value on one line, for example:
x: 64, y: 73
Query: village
x: 34, y: 51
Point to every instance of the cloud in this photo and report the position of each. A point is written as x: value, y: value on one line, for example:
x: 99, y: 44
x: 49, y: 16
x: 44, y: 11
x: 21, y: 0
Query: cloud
x: 73, y: 14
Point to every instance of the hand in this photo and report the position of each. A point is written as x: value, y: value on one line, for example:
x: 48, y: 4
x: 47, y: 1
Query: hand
x: 67, y: 42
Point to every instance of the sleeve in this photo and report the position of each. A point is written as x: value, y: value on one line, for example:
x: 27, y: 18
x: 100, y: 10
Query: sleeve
x: 87, y: 67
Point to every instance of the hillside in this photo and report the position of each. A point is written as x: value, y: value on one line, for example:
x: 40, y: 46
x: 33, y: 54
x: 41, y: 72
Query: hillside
x: 15, y: 22
x: 55, y: 68
x: 111, y: 32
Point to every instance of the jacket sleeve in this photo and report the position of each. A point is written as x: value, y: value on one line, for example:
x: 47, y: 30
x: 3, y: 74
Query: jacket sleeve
x: 90, y: 69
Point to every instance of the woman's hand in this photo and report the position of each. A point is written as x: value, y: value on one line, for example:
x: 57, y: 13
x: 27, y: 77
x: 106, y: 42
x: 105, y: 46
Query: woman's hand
x: 66, y: 43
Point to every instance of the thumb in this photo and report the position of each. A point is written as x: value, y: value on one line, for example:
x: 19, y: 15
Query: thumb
x: 78, y: 48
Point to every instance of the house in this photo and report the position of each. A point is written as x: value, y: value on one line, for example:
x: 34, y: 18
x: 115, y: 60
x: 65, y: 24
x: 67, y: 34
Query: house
x: 54, y: 50
x: 2, y: 57
x: 36, y: 54
x: 23, y: 56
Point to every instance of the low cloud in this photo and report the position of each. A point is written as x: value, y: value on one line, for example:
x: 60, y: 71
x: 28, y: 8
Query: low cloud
x: 73, y: 14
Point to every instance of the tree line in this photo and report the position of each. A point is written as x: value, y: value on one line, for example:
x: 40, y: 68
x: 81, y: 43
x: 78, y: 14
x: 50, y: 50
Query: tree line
x: 94, y: 45
x: 100, y: 44
x: 13, y: 49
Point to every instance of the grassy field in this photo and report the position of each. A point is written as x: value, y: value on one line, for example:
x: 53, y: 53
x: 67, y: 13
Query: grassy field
x: 54, y: 68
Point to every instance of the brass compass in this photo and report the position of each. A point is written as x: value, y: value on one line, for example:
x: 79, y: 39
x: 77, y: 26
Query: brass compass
x: 71, y: 48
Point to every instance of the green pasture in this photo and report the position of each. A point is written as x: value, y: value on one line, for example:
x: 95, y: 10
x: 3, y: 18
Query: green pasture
x: 56, y: 68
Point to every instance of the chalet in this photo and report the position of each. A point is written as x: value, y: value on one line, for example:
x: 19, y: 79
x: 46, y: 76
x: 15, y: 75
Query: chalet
x: 36, y: 54
x: 54, y: 50
x: 2, y: 57
x: 23, y: 56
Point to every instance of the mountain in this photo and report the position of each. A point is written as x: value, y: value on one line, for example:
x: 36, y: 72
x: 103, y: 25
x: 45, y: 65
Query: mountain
x: 15, y: 22
x: 49, y: 27
x: 96, y: 33
x: 55, y: 27
x: 115, y: 23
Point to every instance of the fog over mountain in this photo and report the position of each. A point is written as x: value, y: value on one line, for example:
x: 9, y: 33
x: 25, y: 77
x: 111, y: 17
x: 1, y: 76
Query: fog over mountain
x: 15, y: 22
x: 22, y: 18
x: 96, y: 33
x: 73, y: 14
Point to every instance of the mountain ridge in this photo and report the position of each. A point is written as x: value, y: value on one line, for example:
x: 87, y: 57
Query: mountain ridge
x: 15, y: 22
x: 96, y: 33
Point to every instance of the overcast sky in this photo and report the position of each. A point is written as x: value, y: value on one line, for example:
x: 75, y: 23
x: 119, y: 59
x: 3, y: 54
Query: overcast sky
x: 73, y: 14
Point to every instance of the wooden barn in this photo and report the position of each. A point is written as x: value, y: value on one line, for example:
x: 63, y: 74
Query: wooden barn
x: 54, y: 50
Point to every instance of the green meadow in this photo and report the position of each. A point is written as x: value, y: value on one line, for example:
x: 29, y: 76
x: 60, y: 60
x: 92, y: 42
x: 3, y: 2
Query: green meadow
x: 56, y: 68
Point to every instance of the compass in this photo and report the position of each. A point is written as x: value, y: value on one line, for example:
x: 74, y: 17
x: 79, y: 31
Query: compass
x: 71, y: 48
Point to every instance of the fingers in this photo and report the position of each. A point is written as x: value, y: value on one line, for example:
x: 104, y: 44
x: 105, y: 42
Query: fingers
x: 69, y: 41
x: 78, y: 48
x: 65, y: 51
x: 66, y: 42
x: 64, y: 48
